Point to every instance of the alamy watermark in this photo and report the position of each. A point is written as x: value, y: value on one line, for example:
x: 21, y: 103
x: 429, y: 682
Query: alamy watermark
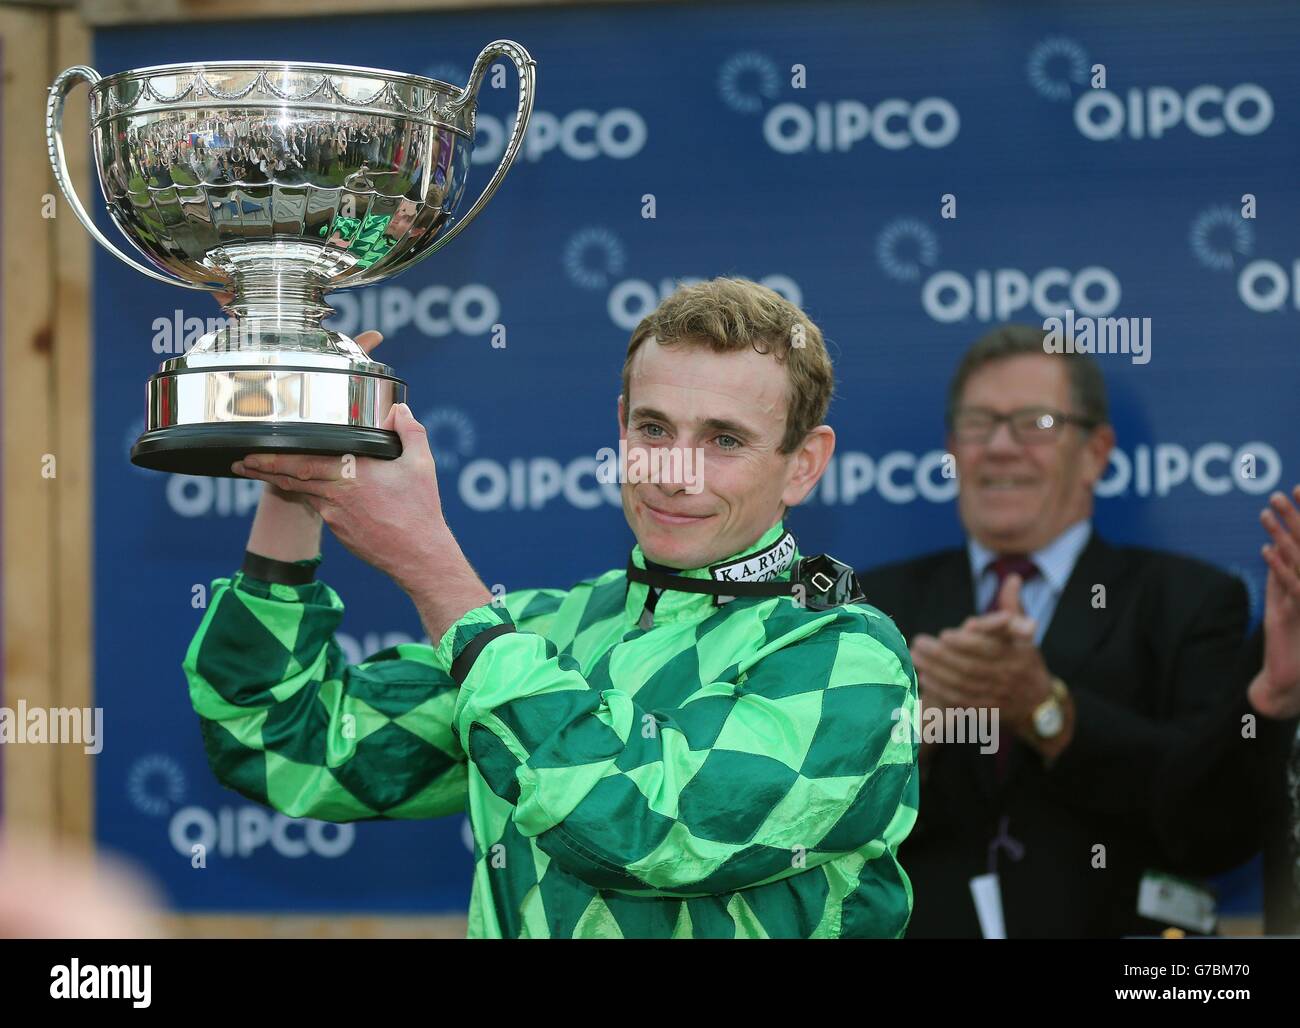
x: 75, y: 980
x: 665, y: 465
x: 1099, y: 336
x: 178, y: 334
x: 933, y: 724
x: 81, y: 725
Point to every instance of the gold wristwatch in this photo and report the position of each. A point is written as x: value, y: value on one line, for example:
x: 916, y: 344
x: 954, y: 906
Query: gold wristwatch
x: 1049, y: 716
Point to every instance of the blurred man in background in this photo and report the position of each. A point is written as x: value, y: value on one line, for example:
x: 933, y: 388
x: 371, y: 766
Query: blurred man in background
x: 1102, y: 663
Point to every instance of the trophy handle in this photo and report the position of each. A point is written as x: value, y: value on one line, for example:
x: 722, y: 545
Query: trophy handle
x: 527, y: 69
x: 59, y: 91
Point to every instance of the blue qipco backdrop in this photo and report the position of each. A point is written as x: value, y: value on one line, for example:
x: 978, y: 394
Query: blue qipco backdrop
x: 1124, y: 202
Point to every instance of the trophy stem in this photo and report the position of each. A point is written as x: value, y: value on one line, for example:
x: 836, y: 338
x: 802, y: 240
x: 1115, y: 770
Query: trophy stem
x: 280, y: 306
x: 279, y: 294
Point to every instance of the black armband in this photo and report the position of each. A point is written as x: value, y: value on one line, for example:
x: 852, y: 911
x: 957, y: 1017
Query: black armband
x: 460, y: 667
x: 279, y: 572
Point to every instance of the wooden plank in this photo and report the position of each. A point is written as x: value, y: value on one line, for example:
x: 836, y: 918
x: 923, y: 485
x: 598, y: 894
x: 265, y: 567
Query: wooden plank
x: 73, y: 357
x: 25, y: 295
x: 1242, y: 925
x: 138, y: 12
x: 235, y: 926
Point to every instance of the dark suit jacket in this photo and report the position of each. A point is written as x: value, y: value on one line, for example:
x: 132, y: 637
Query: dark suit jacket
x: 1148, y: 671
x: 1225, y: 794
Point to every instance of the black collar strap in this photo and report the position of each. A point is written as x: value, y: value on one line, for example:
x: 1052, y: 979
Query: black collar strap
x: 817, y: 583
x: 665, y: 580
x: 752, y: 574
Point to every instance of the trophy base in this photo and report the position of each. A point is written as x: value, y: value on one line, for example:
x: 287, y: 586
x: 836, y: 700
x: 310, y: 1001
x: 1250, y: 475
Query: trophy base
x: 208, y: 409
x: 209, y: 450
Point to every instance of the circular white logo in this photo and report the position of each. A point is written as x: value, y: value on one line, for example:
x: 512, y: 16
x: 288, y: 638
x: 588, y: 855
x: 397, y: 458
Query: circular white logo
x: 1219, y: 236
x: 451, y: 436
x: 904, y: 247
x: 592, y: 256
x: 1054, y: 65
x: 746, y: 79
x: 155, y: 783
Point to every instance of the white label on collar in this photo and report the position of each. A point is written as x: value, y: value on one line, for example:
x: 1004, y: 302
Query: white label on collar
x: 1176, y: 901
x: 757, y: 567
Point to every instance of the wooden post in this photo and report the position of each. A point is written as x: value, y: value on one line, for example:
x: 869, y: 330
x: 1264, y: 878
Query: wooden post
x: 29, y: 439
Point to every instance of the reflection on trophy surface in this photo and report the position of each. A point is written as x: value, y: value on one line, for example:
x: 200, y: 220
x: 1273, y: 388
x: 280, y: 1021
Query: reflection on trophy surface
x: 278, y: 182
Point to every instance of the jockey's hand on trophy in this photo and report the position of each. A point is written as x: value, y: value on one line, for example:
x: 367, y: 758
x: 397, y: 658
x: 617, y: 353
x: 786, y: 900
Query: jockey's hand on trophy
x: 366, y: 340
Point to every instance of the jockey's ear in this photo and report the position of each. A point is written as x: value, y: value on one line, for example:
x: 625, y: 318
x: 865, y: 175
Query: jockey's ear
x: 807, y: 464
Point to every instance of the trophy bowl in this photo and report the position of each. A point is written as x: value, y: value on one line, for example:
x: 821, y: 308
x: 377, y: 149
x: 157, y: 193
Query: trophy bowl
x: 276, y: 183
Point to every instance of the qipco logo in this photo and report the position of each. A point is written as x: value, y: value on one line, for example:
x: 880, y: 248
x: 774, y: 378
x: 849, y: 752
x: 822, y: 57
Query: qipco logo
x: 898, y: 477
x: 838, y: 126
x: 193, y: 496
x: 581, y: 135
x: 996, y: 295
x: 1266, y: 286
x: 243, y: 831
x: 533, y: 483
x: 435, y: 311
x: 1215, y: 468
x: 1102, y: 115
x: 634, y: 298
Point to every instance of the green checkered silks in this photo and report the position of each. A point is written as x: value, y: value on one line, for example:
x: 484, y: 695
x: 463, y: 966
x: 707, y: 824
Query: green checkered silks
x: 367, y: 238
x: 736, y: 770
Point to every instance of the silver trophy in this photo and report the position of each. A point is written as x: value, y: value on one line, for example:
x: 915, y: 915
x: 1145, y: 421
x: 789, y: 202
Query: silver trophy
x: 278, y: 183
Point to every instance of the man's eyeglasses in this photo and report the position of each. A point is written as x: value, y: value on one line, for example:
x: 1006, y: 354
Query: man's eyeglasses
x: 1029, y: 425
